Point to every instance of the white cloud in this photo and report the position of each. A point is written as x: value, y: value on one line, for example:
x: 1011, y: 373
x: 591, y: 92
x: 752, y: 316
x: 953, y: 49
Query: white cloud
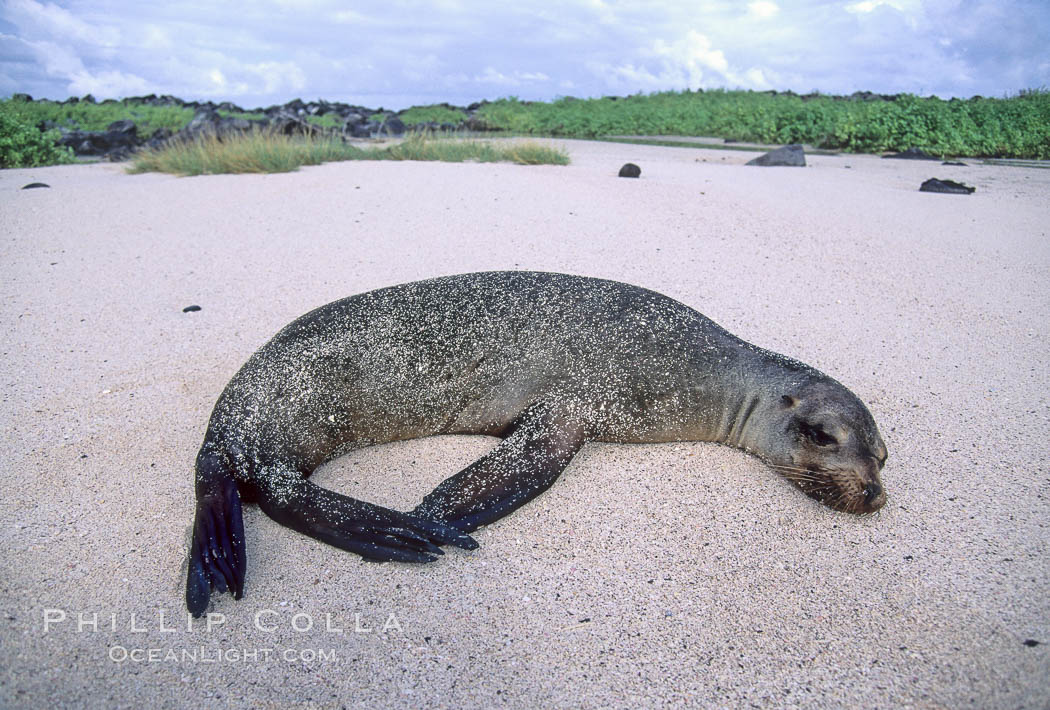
x: 756, y: 79
x: 866, y: 6
x: 762, y: 9
x: 516, y: 78
x: 693, y: 54
x: 691, y: 61
x: 603, y: 11
x: 156, y: 37
x: 277, y: 77
x: 55, y: 21
x: 349, y: 17
x: 56, y: 59
x: 108, y: 83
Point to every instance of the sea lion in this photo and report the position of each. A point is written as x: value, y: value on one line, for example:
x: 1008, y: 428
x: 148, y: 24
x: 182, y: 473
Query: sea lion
x: 544, y: 361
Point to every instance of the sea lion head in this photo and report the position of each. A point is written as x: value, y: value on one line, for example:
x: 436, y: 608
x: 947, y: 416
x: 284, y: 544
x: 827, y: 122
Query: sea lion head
x: 825, y: 441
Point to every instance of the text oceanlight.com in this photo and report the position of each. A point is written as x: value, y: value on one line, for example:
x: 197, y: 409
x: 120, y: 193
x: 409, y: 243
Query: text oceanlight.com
x: 204, y: 654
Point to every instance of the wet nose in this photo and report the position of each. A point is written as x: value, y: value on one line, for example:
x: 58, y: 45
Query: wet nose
x: 871, y: 492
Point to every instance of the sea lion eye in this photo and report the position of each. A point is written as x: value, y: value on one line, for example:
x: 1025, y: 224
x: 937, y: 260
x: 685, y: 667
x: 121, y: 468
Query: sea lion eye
x: 816, y: 434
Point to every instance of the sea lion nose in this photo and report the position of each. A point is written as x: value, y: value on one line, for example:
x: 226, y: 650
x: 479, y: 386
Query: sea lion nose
x: 871, y: 492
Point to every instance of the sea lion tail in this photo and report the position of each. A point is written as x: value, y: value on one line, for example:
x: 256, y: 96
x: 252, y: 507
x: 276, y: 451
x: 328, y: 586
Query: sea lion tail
x: 217, y: 554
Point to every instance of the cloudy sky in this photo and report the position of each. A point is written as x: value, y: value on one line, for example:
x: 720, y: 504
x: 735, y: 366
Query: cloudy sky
x: 397, y: 53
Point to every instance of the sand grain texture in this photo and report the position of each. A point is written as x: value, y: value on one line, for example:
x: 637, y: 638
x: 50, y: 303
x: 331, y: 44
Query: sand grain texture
x: 678, y: 574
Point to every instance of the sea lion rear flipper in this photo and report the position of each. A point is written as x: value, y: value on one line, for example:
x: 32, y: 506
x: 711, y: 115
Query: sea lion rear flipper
x: 217, y: 553
x: 374, y: 532
x: 527, y: 462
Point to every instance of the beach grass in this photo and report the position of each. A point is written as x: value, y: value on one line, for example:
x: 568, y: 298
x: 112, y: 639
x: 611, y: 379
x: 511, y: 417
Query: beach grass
x: 455, y: 150
x: 267, y: 152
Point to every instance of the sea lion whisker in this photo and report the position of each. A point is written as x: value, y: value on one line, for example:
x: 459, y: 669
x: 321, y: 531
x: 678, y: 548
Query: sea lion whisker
x: 797, y: 476
x: 785, y: 467
x: 807, y: 476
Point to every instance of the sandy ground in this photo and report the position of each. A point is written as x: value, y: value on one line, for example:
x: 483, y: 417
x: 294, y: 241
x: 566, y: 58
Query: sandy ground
x: 662, y: 575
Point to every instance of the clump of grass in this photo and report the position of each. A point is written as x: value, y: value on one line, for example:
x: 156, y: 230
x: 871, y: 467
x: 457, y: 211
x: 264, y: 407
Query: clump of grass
x: 254, y: 152
x: 450, y: 150
x: 266, y: 152
x: 532, y: 153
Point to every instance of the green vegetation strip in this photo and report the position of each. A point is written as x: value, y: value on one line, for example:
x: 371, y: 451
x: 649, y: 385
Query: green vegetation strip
x: 263, y: 152
x: 1015, y: 127
x: 87, y: 116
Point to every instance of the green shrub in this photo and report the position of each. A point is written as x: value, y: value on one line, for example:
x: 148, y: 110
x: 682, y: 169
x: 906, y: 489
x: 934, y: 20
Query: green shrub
x: 328, y: 120
x: 432, y: 114
x: 22, y: 145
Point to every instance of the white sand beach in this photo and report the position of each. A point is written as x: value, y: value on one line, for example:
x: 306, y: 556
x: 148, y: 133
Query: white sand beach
x: 673, y: 575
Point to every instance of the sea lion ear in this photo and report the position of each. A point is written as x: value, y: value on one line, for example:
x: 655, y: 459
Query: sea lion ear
x: 788, y: 402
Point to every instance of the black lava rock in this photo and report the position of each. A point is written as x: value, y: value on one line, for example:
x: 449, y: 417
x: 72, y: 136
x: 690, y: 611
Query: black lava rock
x: 392, y: 126
x: 912, y: 154
x: 949, y: 187
x: 786, y: 156
x: 630, y: 170
x: 125, y: 129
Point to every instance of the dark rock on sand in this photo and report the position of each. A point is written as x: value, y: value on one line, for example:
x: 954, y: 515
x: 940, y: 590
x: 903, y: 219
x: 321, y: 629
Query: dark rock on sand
x: 788, y: 155
x: 946, y: 186
x: 912, y: 154
x: 630, y: 170
x: 33, y: 185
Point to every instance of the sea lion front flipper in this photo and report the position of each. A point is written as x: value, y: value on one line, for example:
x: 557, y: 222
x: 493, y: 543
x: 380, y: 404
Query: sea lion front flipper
x: 527, y: 462
x: 217, y: 553
x: 374, y: 532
